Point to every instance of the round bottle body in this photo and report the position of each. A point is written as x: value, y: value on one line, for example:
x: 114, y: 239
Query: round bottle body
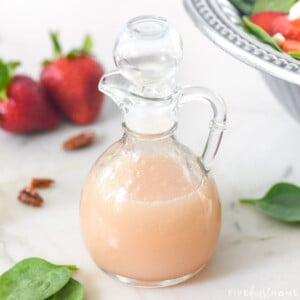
x: 149, y: 215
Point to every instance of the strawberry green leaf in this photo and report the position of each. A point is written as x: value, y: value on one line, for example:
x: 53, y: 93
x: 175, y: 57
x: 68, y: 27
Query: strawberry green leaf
x: 86, y: 48
x: 3, y: 94
x: 56, y: 46
x: 6, y: 75
x: 260, y: 34
x: 87, y: 44
x: 75, y: 53
x: 46, y: 62
x: 12, y: 65
x: 4, y: 80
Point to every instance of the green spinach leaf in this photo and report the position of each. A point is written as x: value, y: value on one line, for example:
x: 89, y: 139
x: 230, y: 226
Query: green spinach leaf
x: 244, y: 6
x: 281, y: 202
x: 273, y: 5
x: 73, y: 290
x: 294, y: 54
x: 33, y: 279
x: 260, y: 34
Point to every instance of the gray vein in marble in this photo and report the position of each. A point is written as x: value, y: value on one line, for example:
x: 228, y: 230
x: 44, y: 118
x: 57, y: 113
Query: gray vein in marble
x: 4, y: 252
x: 232, y: 205
x: 288, y: 172
x: 249, y: 238
x: 237, y: 225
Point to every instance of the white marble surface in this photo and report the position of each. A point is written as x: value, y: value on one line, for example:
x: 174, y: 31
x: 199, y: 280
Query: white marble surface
x: 256, y: 257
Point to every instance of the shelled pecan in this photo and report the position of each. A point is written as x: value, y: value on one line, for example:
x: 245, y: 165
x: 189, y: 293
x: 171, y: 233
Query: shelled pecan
x: 30, y: 197
x: 78, y: 141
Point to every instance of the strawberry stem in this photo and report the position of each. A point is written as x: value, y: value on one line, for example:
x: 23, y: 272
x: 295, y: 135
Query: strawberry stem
x: 56, y: 46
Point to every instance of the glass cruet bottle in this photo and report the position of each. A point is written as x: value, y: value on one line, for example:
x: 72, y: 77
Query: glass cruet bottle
x: 150, y: 211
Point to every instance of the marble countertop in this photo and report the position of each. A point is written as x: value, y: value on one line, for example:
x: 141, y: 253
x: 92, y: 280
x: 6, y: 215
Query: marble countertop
x: 256, y: 257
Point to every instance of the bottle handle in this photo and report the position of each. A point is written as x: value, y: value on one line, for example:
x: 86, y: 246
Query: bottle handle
x: 217, y: 124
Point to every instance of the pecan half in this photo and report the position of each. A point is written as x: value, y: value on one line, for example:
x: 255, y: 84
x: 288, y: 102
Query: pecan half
x: 40, y: 183
x: 30, y: 197
x: 81, y: 140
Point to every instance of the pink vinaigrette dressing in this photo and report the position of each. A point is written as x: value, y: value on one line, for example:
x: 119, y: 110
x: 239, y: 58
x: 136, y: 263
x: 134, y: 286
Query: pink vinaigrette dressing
x: 163, y: 226
x: 150, y: 211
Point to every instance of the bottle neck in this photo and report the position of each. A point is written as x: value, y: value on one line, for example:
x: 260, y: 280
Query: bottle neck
x: 151, y: 116
x: 146, y: 136
x: 150, y: 120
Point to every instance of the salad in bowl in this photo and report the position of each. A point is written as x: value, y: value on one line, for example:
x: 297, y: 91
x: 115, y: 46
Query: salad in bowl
x: 264, y: 34
x: 274, y: 22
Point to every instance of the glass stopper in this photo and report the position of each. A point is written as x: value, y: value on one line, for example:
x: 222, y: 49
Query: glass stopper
x: 148, y: 52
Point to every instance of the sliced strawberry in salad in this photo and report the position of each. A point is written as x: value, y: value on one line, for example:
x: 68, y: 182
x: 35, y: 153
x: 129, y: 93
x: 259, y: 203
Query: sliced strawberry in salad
x: 265, y: 19
x: 289, y: 29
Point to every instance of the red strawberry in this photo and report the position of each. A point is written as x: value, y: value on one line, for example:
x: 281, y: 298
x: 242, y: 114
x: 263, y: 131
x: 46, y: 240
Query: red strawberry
x: 23, y: 104
x: 71, y: 82
x: 265, y: 19
x: 290, y: 46
x: 290, y: 30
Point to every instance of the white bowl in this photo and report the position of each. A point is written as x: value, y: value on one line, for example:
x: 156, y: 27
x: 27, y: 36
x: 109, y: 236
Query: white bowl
x: 220, y: 22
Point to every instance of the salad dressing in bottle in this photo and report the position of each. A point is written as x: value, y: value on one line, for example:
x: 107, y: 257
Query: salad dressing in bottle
x: 150, y: 211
